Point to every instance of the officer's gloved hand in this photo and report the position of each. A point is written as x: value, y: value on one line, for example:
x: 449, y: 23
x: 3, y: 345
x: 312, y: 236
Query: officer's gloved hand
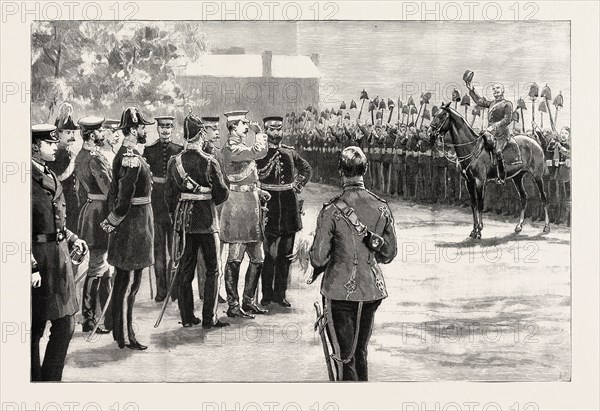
x: 107, y: 227
x: 36, y: 279
x: 373, y: 241
x: 264, y: 196
x: 297, y: 187
x: 81, y: 245
x: 255, y: 127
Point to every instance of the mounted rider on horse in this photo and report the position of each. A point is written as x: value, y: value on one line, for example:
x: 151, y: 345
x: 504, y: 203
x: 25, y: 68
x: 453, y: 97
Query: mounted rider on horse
x: 496, y: 135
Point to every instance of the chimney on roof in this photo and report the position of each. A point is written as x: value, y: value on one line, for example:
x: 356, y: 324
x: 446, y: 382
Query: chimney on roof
x: 315, y: 58
x: 267, y: 58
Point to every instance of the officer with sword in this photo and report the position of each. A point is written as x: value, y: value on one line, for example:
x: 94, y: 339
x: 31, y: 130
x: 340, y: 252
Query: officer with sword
x: 130, y: 225
x: 194, y: 188
x: 354, y: 234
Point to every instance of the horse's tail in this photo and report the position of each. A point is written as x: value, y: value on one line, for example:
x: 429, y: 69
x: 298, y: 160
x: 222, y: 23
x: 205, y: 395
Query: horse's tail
x: 539, y: 137
x: 544, y: 144
x: 537, y: 166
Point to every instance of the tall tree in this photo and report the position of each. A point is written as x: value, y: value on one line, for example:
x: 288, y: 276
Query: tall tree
x: 98, y: 64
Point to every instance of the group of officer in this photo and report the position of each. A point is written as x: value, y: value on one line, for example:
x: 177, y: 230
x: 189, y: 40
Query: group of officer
x: 164, y: 207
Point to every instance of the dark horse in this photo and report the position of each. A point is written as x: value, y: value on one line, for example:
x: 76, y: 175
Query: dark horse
x: 477, y: 167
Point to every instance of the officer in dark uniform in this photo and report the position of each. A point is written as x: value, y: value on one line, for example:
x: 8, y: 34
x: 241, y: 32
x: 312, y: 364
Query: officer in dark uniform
x: 210, y: 146
x: 412, y: 163
x: 561, y: 149
x: 283, y: 174
x: 402, y: 155
x: 53, y: 289
x: 354, y: 233
x: 387, y: 156
x: 499, y: 118
x: 130, y: 225
x: 94, y: 174
x: 194, y: 187
x: 367, y: 144
x: 64, y: 165
x: 157, y: 155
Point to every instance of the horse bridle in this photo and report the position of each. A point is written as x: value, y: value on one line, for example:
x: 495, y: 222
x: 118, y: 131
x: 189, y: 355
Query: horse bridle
x: 436, y: 133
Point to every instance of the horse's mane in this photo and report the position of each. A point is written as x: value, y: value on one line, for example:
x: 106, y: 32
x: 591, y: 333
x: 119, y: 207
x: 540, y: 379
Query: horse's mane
x: 462, y: 120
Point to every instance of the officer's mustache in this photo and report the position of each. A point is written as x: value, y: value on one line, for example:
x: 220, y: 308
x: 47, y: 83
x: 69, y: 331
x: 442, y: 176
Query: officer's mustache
x: 275, y: 138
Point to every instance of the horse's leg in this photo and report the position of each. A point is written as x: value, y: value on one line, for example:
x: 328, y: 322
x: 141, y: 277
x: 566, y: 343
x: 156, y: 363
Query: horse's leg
x: 473, y: 195
x: 518, y: 180
x: 540, y: 185
x: 480, y: 192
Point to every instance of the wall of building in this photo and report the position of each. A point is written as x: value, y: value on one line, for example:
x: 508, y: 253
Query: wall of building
x: 262, y: 96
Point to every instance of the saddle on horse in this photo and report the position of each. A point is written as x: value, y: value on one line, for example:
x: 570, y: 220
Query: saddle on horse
x: 506, y: 149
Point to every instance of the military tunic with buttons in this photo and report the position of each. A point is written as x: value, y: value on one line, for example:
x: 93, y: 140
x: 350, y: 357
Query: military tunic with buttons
x: 94, y: 174
x: 130, y: 246
x: 499, y: 114
x: 204, y: 170
x: 352, y: 271
x: 281, y: 167
x: 157, y: 156
x: 241, y: 213
x: 55, y: 298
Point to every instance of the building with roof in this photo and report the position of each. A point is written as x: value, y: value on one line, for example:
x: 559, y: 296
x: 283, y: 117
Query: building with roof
x: 265, y: 84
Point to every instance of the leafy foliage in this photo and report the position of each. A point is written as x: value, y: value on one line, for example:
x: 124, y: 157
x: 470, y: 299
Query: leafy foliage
x: 96, y: 65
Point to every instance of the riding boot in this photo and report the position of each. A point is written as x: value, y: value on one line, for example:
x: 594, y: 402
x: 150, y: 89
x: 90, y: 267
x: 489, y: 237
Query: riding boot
x: 501, y: 173
x: 250, y: 285
x: 90, y: 294
x: 232, y: 276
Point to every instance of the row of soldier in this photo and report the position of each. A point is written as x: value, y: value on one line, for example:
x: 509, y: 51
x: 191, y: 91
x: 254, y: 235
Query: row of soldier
x: 136, y: 208
x: 403, y: 162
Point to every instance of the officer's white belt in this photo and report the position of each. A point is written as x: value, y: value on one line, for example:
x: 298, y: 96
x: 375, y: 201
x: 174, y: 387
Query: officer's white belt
x: 159, y: 179
x: 97, y: 197
x: 242, y: 188
x: 202, y: 190
x: 276, y: 187
x: 140, y: 200
x: 195, y: 197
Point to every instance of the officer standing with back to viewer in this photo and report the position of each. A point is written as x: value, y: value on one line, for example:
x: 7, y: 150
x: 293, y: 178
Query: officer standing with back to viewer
x: 194, y: 188
x: 354, y: 234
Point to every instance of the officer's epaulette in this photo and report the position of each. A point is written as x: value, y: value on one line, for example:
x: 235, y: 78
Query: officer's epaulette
x: 205, y: 154
x: 130, y: 159
x: 330, y: 202
x: 376, y: 196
